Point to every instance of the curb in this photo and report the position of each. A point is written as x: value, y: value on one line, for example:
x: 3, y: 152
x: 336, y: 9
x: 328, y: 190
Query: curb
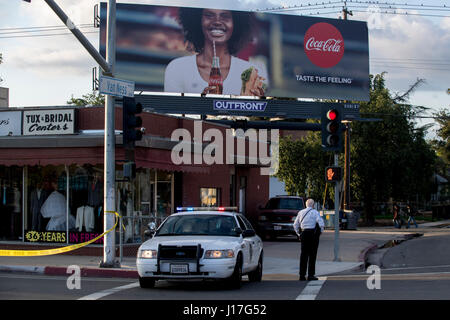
x: 62, y: 271
x: 364, y: 255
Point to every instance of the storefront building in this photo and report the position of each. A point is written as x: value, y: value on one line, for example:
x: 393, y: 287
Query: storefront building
x: 51, y: 176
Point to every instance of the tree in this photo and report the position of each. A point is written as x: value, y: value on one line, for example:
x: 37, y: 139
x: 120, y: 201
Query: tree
x: 302, y: 165
x: 442, y: 145
x: 93, y: 99
x: 390, y: 158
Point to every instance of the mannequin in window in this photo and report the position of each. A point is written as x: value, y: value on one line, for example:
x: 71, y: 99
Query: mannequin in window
x: 16, y: 209
x: 37, y: 199
x: 55, y: 208
x: 95, y: 192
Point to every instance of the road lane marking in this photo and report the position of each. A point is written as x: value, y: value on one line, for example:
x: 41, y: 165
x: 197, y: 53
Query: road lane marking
x: 408, y: 268
x: 58, y: 278
x: 312, y: 289
x: 107, y: 292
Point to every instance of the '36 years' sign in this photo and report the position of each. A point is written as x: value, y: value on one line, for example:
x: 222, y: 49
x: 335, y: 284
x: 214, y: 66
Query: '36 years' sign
x: 45, y: 122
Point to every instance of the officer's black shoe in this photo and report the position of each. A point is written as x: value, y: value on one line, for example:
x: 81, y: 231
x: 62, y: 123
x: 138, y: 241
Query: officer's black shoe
x: 302, y: 278
x: 312, y: 278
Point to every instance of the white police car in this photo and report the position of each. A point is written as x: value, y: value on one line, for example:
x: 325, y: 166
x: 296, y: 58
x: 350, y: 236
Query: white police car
x: 216, y: 245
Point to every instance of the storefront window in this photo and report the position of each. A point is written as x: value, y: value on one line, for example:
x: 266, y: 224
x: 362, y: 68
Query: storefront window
x: 11, y: 203
x: 164, y: 194
x: 64, y: 204
x: 64, y: 200
x: 209, y: 197
x: 147, y: 199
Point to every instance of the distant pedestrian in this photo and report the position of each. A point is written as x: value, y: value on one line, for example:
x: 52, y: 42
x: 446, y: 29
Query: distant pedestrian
x: 397, y: 217
x: 308, y: 225
x: 411, y: 213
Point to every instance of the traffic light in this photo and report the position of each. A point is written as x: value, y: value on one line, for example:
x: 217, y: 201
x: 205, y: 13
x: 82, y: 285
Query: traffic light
x: 132, y: 123
x: 333, y: 174
x: 331, y: 128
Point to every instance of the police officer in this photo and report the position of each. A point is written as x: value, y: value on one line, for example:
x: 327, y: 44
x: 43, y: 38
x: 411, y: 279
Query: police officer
x: 308, y: 225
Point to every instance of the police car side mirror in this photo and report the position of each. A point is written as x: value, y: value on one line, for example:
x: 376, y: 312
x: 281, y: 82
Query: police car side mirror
x: 149, y: 233
x: 248, y: 233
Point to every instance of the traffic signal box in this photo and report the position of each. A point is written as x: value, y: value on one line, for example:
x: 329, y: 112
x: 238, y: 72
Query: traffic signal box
x: 132, y: 132
x: 131, y: 122
x: 331, y: 127
x: 333, y: 174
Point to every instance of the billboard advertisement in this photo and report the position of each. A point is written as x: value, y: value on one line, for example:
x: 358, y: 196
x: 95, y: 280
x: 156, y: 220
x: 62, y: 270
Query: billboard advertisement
x: 238, y: 53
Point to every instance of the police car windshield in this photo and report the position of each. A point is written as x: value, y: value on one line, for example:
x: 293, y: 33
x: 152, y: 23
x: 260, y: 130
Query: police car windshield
x: 285, y: 203
x: 205, y: 225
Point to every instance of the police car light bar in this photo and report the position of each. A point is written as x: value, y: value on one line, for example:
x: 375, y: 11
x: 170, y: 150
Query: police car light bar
x: 179, y: 209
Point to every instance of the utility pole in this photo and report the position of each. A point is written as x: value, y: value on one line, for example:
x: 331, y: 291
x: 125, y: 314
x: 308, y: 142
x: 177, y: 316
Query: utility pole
x: 337, y: 205
x: 346, y: 202
x: 110, y: 143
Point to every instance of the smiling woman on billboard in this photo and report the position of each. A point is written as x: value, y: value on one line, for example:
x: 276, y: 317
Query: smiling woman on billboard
x: 215, y: 36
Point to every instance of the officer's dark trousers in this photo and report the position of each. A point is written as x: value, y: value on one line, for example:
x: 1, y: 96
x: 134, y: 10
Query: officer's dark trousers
x: 310, y: 244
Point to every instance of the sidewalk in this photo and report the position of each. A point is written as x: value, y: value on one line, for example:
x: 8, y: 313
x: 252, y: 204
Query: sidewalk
x: 281, y: 258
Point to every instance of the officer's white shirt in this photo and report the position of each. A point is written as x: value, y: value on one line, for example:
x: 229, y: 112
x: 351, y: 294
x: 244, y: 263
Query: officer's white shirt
x: 309, y: 221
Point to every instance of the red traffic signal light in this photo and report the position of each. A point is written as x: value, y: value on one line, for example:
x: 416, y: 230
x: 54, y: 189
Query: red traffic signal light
x: 331, y: 128
x: 332, y: 114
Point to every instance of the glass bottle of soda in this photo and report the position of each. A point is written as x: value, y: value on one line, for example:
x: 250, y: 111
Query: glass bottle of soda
x: 215, y: 77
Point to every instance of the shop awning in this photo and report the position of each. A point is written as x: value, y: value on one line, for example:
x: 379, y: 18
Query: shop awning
x: 86, y: 149
x: 161, y: 159
x: 51, y: 156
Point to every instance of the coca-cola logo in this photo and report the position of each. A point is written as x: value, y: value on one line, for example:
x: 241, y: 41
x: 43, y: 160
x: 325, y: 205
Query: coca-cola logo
x: 324, y: 45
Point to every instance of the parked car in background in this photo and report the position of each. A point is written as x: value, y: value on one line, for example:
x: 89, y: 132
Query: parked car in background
x: 276, y: 218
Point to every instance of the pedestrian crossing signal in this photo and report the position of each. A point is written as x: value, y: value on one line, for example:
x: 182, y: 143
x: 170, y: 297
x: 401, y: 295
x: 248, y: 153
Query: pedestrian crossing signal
x: 333, y: 174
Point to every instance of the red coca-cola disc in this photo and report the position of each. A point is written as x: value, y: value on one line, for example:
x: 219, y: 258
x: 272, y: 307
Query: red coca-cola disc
x: 324, y: 45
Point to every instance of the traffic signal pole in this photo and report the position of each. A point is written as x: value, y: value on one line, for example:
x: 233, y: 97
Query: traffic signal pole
x: 336, y: 213
x: 110, y: 139
x: 109, y: 198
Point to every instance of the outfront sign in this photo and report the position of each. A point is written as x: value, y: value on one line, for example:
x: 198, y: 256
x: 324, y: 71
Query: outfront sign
x: 172, y: 49
x: 47, y: 122
x: 239, y: 105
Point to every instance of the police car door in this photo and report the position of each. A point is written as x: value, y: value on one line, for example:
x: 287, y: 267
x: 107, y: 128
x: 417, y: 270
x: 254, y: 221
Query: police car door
x: 255, y: 242
x: 247, y: 246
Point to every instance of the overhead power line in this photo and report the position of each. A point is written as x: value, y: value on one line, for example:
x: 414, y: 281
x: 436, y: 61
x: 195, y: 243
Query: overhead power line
x: 368, y: 5
x: 83, y: 25
x: 45, y: 35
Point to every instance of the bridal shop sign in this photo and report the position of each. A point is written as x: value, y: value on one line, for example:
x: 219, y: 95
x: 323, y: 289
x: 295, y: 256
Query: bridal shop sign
x: 48, y: 122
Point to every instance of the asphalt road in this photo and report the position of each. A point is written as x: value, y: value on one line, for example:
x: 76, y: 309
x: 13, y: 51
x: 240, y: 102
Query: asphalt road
x: 417, y: 269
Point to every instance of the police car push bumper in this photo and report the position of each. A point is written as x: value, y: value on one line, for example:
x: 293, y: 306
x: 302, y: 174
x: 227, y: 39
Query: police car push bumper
x: 176, y: 269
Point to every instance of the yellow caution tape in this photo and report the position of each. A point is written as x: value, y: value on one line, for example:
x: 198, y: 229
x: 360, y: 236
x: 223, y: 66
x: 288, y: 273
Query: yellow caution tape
x: 35, y: 253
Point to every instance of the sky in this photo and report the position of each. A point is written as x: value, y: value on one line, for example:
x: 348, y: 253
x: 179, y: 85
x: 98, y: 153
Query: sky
x: 49, y: 70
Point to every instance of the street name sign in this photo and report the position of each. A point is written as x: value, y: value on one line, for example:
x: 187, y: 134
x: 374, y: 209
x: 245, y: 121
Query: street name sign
x: 116, y: 87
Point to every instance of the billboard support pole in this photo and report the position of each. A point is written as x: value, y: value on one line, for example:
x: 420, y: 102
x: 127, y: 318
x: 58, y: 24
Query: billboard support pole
x: 109, y: 246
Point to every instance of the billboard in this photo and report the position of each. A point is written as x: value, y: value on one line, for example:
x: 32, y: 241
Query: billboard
x: 238, y: 53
